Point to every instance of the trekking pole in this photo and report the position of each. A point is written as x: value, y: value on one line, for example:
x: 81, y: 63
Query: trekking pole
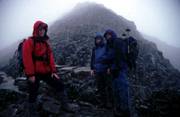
x: 128, y: 30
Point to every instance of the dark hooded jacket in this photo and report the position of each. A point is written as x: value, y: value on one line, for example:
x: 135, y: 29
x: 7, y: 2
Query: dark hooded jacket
x: 37, y: 47
x: 99, y: 56
x: 116, y: 52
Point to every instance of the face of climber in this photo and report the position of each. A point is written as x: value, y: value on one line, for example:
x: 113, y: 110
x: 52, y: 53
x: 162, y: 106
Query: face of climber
x: 41, y: 32
x: 98, y: 40
x: 108, y: 37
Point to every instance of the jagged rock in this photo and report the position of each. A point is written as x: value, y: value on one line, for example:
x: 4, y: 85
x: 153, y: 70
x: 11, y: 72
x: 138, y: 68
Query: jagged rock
x: 21, y: 82
x: 8, y: 83
x: 51, y: 106
x: 1, y: 77
x: 81, y: 72
x: 162, y: 103
x: 8, y: 97
x: 79, y: 85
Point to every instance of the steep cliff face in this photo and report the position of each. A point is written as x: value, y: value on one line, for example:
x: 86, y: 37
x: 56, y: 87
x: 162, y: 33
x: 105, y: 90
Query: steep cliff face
x: 169, y: 51
x: 73, y: 35
x: 72, y: 39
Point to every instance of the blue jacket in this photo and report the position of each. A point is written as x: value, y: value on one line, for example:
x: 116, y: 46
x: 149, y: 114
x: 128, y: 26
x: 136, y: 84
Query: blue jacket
x: 99, y: 56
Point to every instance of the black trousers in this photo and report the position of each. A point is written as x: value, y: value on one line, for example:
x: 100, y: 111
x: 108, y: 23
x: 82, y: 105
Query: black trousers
x: 104, y: 86
x: 34, y: 86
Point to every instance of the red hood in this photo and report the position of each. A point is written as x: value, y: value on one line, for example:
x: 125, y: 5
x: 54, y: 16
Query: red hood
x: 36, y: 28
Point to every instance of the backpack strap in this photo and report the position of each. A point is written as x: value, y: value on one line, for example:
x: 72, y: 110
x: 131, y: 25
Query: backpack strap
x: 33, y: 52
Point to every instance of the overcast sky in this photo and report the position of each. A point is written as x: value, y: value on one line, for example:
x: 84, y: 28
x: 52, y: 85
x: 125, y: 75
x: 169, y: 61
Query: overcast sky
x: 157, y: 18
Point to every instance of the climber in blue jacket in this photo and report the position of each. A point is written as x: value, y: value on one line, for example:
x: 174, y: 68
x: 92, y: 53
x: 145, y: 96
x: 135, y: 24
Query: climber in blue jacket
x: 99, y: 70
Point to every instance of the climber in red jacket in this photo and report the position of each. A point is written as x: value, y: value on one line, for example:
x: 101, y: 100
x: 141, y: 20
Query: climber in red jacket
x: 39, y: 64
x: 37, y: 54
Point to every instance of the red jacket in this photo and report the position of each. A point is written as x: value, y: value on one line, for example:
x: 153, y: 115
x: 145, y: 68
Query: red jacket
x: 32, y: 47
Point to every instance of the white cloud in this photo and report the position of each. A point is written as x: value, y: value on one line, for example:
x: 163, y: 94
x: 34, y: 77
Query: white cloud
x: 153, y: 17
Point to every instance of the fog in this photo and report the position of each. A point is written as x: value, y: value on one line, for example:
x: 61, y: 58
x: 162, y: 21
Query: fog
x: 157, y: 18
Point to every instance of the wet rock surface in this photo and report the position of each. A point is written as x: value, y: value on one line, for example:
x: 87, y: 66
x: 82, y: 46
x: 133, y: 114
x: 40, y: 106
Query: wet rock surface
x: 164, y: 103
x: 81, y: 88
x: 81, y: 95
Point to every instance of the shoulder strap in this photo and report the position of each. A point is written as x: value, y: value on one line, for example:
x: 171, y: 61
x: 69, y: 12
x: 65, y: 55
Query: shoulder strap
x: 33, y: 50
x: 47, y: 52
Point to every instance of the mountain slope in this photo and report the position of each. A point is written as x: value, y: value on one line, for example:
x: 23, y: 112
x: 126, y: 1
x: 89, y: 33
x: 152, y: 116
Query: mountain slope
x: 79, y: 27
x: 72, y: 39
x: 170, y: 52
x: 7, y: 53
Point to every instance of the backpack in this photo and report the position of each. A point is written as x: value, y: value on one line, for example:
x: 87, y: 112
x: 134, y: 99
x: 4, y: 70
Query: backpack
x: 126, y: 50
x: 133, y: 51
x: 121, y: 52
x: 19, y: 56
